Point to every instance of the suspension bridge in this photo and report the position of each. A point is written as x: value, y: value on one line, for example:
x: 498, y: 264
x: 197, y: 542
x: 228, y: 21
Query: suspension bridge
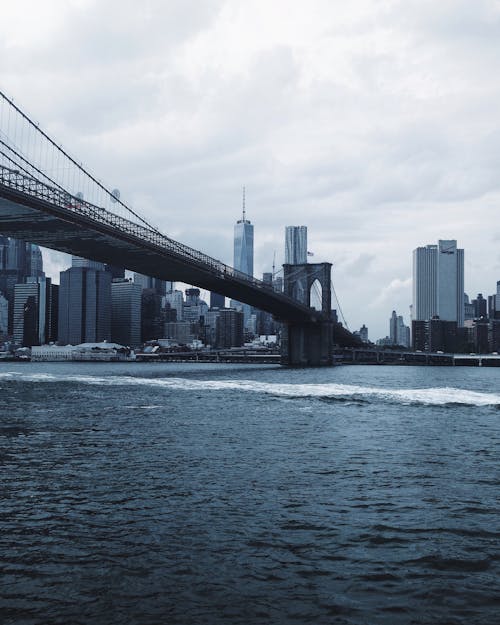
x: 47, y: 197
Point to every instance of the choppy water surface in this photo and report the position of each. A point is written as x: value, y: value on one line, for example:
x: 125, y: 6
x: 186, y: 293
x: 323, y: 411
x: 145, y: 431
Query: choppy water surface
x: 200, y: 494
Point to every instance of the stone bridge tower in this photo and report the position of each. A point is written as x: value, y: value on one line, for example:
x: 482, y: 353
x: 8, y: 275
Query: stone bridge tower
x: 309, y: 344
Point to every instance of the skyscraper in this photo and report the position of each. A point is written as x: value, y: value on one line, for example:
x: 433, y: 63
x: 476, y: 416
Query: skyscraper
x: 363, y: 333
x: 243, y: 243
x: 35, y: 312
x: 84, y: 306
x: 153, y: 316
x: 78, y: 261
x: 243, y: 254
x: 295, y: 245
x: 4, y: 316
x: 438, y: 282
x: 25, y: 318
x: 399, y: 333
x: 18, y: 261
x: 393, y: 328
x: 480, y: 306
x: 34, y: 261
x: 126, y: 313
x: 21, y: 257
x: 195, y: 309
x: 469, y: 309
x: 176, y: 301
x: 492, y: 314
x: 146, y: 282
x: 217, y: 300
x: 229, y: 328
x: 117, y: 273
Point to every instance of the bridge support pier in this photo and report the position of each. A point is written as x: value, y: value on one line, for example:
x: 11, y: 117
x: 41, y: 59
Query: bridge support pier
x: 307, y: 345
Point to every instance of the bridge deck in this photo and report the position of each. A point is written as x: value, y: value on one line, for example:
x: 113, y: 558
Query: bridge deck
x: 39, y: 214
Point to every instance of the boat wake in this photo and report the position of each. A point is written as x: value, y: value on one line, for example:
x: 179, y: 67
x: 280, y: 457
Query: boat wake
x: 329, y: 392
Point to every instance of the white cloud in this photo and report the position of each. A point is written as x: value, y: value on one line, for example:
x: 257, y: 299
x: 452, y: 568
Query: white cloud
x: 389, y: 294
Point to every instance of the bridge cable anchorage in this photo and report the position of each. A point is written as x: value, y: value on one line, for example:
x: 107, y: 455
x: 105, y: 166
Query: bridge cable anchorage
x: 79, y: 166
x: 338, y: 306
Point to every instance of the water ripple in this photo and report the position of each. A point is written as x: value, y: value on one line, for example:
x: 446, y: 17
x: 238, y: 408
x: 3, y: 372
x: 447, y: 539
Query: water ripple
x: 189, y: 496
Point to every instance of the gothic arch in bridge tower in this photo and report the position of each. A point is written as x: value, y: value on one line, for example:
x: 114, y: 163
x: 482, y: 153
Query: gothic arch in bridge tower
x: 316, y: 295
x: 310, y: 284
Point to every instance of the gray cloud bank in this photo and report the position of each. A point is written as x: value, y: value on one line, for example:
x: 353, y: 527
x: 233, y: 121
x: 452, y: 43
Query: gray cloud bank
x: 376, y: 124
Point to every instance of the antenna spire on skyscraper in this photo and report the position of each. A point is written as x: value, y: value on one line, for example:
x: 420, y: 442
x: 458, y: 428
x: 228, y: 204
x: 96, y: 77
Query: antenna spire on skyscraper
x: 244, y: 211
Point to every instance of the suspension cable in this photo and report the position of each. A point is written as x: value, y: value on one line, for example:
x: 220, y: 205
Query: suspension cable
x: 29, y: 165
x: 338, y: 305
x: 72, y: 160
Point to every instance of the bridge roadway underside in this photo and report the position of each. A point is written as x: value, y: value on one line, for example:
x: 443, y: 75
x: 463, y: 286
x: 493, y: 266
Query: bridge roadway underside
x: 37, y: 221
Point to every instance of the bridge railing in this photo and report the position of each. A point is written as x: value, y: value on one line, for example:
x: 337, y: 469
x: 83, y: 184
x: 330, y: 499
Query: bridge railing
x: 22, y: 182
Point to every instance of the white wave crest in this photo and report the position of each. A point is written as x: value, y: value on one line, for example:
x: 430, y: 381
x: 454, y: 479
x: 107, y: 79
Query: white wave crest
x: 429, y: 396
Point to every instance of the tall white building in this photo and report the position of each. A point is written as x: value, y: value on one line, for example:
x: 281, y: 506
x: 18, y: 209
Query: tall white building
x: 243, y: 245
x: 243, y: 255
x: 438, y: 282
x: 296, y: 245
x: 399, y: 333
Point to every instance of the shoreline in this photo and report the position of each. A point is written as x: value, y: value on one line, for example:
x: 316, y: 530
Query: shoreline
x: 271, y: 359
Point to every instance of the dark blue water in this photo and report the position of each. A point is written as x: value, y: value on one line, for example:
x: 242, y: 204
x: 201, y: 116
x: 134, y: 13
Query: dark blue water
x: 200, y: 494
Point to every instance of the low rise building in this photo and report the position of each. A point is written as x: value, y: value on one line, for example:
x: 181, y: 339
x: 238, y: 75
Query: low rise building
x: 107, y: 352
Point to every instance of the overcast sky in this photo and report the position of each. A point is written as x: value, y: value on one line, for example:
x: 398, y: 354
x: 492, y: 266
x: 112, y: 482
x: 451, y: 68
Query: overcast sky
x: 375, y: 123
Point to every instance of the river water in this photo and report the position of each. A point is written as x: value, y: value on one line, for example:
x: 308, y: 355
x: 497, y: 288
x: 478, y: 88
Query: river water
x: 200, y: 494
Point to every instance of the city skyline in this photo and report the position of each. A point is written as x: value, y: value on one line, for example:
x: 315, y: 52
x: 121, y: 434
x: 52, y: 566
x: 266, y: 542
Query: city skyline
x: 443, y: 315
x: 377, y: 330
x: 338, y: 118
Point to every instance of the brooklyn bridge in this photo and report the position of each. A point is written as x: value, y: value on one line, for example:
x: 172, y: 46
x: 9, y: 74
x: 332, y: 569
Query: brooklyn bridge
x: 48, y: 198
